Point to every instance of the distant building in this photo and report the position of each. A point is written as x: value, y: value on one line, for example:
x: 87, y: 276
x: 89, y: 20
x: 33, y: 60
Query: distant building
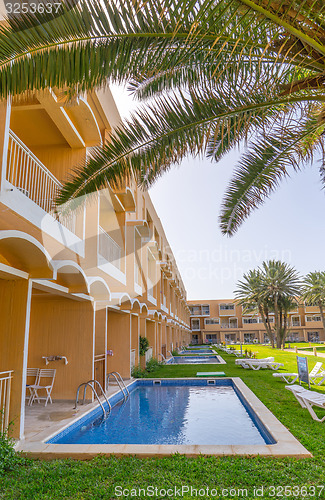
x: 224, y: 321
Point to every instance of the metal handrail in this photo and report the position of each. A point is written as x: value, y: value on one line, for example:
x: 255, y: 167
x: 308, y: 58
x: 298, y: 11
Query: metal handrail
x: 89, y: 384
x: 120, y: 383
x: 163, y: 357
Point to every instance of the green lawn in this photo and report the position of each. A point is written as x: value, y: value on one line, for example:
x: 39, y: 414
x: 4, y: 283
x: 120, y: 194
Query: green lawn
x: 98, y: 478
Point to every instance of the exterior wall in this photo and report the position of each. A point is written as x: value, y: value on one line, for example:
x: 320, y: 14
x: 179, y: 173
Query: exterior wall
x: 225, y: 329
x: 83, y: 286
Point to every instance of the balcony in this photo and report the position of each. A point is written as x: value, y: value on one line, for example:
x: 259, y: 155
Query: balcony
x: 28, y: 174
x: 108, y: 249
x: 230, y: 325
x: 226, y: 309
x: 200, y: 310
x: 313, y: 319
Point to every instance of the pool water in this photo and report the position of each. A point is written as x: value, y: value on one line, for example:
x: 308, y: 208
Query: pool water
x: 202, y: 415
x: 198, y: 351
x: 186, y: 360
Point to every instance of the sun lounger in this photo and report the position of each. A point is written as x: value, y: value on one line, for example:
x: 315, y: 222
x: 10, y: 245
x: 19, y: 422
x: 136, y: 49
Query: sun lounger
x: 314, y: 374
x: 257, y: 364
x: 289, y: 378
x: 308, y: 399
x: 243, y: 361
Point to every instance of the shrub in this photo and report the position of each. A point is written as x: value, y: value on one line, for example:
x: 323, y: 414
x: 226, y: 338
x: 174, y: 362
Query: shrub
x: 9, y: 459
x: 137, y: 372
x: 174, y: 352
x: 152, y: 365
x: 143, y: 345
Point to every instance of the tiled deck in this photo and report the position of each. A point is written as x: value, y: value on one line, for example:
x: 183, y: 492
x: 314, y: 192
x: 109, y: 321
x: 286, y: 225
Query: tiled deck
x: 42, y: 421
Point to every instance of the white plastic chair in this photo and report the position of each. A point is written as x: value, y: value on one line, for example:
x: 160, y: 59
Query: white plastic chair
x: 44, y: 373
x: 32, y: 373
x: 314, y: 374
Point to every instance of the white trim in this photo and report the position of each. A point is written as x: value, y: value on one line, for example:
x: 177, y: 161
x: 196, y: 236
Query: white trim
x: 25, y: 360
x: 5, y: 145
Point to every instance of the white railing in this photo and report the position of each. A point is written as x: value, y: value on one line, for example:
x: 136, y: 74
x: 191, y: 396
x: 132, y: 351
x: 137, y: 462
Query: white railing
x: 231, y: 325
x: 28, y: 174
x: 148, y: 354
x: 5, y: 390
x: 109, y: 249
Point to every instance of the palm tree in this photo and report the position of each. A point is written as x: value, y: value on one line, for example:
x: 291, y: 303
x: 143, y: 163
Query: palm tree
x: 249, y: 295
x: 313, y: 291
x: 271, y: 288
x: 218, y: 72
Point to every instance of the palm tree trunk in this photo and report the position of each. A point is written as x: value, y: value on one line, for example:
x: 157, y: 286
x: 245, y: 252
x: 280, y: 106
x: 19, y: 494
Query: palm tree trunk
x: 276, y: 319
x: 321, y: 310
x: 265, y: 318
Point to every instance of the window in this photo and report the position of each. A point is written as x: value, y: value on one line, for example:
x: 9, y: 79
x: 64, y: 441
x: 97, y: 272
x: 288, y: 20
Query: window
x: 227, y: 307
x: 212, y: 321
x: 247, y: 321
x: 293, y: 337
x: 195, y: 324
x: 195, y: 310
x: 206, y: 310
x: 313, y: 336
x: 249, y: 337
x: 313, y: 318
x: 295, y: 321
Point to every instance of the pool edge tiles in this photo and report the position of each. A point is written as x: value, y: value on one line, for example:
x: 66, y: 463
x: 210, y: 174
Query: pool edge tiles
x: 285, y: 443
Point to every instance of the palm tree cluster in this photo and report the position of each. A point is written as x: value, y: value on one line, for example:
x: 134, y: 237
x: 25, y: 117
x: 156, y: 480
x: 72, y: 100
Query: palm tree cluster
x: 276, y: 288
x: 212, y: 74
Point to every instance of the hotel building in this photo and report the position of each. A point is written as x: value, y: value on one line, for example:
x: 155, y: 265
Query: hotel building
x: 76, y: 291
x: 223, y: 321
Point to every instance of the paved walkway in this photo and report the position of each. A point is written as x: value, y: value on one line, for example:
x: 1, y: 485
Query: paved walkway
x: 42, y: 421
x: 308, y: 353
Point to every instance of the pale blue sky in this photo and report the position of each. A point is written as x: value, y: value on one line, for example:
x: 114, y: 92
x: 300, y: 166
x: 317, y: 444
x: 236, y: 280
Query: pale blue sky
x: 289, y: 226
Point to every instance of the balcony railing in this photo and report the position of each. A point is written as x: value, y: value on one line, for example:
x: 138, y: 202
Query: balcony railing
x: 5, y: 391
x: 229, y: 325
x: 28, y: 174
x: 109, y: 249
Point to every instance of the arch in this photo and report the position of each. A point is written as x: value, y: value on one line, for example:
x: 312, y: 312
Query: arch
x: 154, y: 313
x: 71, y: 275
x: 98, y: 288
x: 136, y: 306
x: 26, y: 253
x: 144, y: 309
x: 121, y: 299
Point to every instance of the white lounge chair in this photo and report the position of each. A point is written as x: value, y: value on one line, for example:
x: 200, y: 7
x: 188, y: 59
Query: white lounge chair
x: 243, y: 361
x: 44, y: 373
x: 314, y: 374
x: 257, y: 364
x: 308, y: 399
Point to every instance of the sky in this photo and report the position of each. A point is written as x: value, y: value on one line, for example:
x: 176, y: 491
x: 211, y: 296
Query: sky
x: 289, y: 226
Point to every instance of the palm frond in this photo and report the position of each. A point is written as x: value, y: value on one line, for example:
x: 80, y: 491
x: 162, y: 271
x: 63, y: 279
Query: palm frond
x: 264, y: 165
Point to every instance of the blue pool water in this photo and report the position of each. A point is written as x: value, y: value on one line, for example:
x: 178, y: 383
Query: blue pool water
x: 173, y: 414
x: 198, y: 351
x: 186, y: 360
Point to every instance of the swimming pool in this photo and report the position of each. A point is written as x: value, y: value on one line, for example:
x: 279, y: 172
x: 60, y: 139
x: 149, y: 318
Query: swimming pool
x: 198, y: 351
x: 170, y: 412
x: 196, y: 360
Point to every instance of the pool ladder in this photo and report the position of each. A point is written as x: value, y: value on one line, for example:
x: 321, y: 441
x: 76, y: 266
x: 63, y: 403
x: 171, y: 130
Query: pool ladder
x: 120, y: 383
x: 91, y: 384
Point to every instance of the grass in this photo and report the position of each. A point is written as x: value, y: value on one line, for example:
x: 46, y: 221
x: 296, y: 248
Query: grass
x: 97, y: 479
